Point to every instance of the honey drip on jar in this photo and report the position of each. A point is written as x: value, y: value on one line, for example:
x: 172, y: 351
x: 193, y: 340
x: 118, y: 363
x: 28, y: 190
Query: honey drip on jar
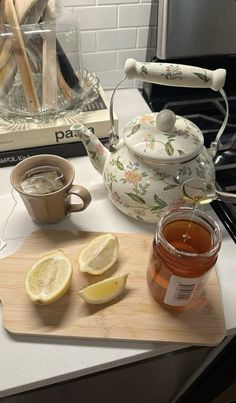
x: 187, y: 236
x: 196, y: 192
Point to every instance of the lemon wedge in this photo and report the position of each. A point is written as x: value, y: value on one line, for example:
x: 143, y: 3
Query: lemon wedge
x: 49, y: 278
x: 105, y: 290
x: 100, y: 254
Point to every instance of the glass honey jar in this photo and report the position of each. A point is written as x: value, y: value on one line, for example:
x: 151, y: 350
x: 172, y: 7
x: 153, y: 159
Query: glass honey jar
x: 184, y: 251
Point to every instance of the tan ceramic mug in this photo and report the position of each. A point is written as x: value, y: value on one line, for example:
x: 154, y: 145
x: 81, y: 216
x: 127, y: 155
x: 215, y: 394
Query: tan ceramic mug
x: 53, y: 206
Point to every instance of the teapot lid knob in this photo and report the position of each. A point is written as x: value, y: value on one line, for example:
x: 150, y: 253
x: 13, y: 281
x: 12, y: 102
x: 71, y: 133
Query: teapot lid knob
x: 165, y: 120
x: 163, y: 138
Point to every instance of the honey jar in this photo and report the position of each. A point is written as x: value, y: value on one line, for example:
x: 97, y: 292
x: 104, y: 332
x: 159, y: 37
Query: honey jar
x: 184, y: 251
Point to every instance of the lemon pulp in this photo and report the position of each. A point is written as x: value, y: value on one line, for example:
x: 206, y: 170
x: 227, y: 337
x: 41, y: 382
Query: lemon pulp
x: 100, y: 254
x: 49, y: 278
x: 105, y: 290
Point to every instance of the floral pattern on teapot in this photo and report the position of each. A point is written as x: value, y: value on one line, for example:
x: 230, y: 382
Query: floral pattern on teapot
x: 175, y: 71
x: 146, y: 194
x: 187, y: 130
x: 143, y: 189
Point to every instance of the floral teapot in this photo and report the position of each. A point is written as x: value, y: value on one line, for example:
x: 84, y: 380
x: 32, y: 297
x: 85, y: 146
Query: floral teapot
x: 144, y: 171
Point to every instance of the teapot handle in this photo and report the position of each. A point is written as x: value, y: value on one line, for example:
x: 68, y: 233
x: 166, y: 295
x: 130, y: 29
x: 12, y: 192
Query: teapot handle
x: 177, y: 75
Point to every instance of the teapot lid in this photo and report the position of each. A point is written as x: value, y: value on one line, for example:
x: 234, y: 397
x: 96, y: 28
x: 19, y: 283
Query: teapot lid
x: 163, y: 137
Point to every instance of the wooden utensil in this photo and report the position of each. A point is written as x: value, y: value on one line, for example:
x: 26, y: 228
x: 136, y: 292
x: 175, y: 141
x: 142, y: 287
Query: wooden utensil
x: 66, y: 90
x: 24, y: 9
x: 135, y: 315
x: 49, y: 59
x: 28, y: 11
x: 21, y: 56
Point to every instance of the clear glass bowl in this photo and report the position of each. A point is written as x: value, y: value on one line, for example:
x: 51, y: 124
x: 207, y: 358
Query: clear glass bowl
x: 41, y: 70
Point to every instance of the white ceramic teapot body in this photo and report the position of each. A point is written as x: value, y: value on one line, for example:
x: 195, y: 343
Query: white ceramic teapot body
x: 158, y: 151
x: 144, y: 188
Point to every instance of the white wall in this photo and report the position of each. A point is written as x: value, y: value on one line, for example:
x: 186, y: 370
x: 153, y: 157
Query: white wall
x: 112, y: 31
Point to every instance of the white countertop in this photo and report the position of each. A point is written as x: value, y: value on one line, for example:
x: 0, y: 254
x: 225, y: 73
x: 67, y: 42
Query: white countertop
x: 29, y: 362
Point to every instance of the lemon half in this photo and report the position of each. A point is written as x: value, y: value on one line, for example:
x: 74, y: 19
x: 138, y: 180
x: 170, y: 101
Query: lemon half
x: 49, y: 278
x: 105, y: 290
x: 100, y: 254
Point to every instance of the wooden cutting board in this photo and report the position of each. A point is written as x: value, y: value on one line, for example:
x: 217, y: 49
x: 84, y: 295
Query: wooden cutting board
x: 133, y: 316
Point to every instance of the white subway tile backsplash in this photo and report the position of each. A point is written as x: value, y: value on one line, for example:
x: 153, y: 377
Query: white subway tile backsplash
x: 149, y: 1
x: 117, y: 1
x: 142, y: 37
x: 68, y: 41
x: 123, y: 55
x: 147, y: 37
x: 76, y: 3
x: 109, y: 79
x: 111, y: 32
x: 117, y: 39
x: 88, y: 41
x: 99, y: 61
x: 96, y: 17
x: 137, y: 15
x: 75, y: 60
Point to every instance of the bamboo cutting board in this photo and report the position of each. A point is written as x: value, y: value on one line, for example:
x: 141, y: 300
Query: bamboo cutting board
x: 133, y: 316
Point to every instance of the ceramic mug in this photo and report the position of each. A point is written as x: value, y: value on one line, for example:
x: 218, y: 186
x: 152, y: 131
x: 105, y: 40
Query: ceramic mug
x: 54, y: 206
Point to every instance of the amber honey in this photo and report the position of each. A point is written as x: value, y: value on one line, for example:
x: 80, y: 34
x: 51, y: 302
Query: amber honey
x: 184, y: 250
x: 188, y: 236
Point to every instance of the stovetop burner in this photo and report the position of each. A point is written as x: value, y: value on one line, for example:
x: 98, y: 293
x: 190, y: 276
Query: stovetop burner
x: 208, y: 112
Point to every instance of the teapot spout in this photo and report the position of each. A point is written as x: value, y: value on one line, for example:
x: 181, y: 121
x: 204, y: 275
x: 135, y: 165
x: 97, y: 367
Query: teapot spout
x: 96, y: 151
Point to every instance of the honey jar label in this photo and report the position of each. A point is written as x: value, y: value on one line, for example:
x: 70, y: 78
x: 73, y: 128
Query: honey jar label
x: 181, y: 291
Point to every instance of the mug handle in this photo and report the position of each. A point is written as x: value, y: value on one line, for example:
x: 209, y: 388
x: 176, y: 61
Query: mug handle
x: 83, y: 194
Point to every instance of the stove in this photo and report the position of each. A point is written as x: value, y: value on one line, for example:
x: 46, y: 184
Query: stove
x: 206, y: 109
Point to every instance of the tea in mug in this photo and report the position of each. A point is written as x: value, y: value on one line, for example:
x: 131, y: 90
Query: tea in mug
x: 42, y: 180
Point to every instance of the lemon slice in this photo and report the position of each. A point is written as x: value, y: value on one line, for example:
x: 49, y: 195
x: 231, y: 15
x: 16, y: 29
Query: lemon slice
x: 49, y: 278
x: 105, y: 290
x: 100, y: 254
